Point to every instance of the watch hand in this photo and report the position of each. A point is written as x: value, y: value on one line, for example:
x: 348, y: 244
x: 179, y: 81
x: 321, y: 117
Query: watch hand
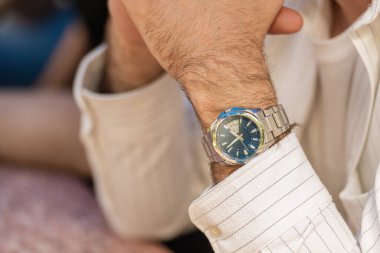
x: 241, y: 139
x: 236, y: 139
x: 237, y: 136
x: 244, y: 145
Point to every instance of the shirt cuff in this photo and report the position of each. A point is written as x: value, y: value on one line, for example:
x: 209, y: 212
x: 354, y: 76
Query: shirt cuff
x: 138, y: 109
x: 261, y: 200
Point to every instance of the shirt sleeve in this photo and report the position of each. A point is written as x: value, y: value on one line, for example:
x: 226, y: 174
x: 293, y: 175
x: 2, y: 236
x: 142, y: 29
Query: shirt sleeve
x: 143, y: 147
x: 276, y: 203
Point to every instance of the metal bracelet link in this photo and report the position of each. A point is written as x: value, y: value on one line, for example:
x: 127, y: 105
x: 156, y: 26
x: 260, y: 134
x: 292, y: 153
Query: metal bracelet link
x: 276, y: 123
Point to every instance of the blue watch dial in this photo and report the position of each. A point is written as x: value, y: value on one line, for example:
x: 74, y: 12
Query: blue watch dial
x: 238, y: 137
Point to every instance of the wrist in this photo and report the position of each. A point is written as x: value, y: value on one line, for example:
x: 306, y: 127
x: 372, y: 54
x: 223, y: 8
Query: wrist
x: 130, y: 65
x: 214, y: 89
x: 219, y: 172
x: 209, y: 106
x: 220, y: 86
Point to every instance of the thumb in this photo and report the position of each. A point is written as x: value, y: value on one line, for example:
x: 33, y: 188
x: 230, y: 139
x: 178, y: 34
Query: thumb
x: 287, y: 21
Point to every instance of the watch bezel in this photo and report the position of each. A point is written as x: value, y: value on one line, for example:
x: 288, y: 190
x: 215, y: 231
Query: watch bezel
x: 245, y: 113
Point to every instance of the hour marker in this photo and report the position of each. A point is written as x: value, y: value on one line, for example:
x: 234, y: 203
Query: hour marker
x: 241, y: 119
x: 245, y: 152
x: 237, y: 153
x: 223, y: 135
x: 253, y: 131
x: 229, y: 150
x: 252, y: 147
x: 224, y: 143
x: 255, y: 139
x: 249, y: 123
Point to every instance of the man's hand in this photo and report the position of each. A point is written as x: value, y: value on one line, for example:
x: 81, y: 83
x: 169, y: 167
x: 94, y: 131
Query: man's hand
x: 129, y: 62
x: 214, y: 48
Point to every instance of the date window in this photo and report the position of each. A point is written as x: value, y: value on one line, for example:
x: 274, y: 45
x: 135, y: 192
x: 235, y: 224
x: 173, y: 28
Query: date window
x: 233, y: 126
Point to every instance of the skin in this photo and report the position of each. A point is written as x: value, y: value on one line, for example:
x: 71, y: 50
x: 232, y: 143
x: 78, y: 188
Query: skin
x: 136, y: 57
x: 345, y: 13
x: 60, y: 69
x: 205, y: 68
x: 198, y: 66
x: 130, y: 63
x: 202, y: 68
x: 41, y: 140
x: 128, y: 49
x: 23, y: 113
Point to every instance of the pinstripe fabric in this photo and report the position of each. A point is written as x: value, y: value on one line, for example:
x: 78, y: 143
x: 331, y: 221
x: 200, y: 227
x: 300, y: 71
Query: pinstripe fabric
x: 257, y: 218
x: 149, y: 165
x: 276, y: 203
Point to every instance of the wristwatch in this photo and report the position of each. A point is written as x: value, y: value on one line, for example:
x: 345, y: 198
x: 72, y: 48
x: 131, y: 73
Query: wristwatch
x: 239, y: 134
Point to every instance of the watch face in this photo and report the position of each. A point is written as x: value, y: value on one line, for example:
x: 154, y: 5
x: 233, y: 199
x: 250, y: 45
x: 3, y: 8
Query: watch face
x: 238, y: 137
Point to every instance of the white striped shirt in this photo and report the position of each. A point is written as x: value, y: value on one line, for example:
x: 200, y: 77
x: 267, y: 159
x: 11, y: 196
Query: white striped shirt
x: 149, y: 165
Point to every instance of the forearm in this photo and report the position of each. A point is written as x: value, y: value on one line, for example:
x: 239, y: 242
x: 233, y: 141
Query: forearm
x: 41, y: 130
x: 228, y: 83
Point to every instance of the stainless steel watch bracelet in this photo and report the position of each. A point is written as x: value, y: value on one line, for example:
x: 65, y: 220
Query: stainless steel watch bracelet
x: 275, y: 122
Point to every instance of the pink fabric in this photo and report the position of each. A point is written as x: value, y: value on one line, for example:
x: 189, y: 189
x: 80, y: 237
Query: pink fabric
x: 46, y: 212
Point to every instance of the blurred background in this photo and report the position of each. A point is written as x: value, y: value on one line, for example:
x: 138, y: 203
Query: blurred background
x: 46, y: 198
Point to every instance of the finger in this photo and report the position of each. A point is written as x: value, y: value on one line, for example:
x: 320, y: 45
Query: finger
x: 287, y: 21
x: 122, y: 21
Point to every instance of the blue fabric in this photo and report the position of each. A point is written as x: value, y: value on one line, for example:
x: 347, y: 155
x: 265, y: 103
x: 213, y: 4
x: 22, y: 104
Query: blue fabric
x: 25, y: 48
